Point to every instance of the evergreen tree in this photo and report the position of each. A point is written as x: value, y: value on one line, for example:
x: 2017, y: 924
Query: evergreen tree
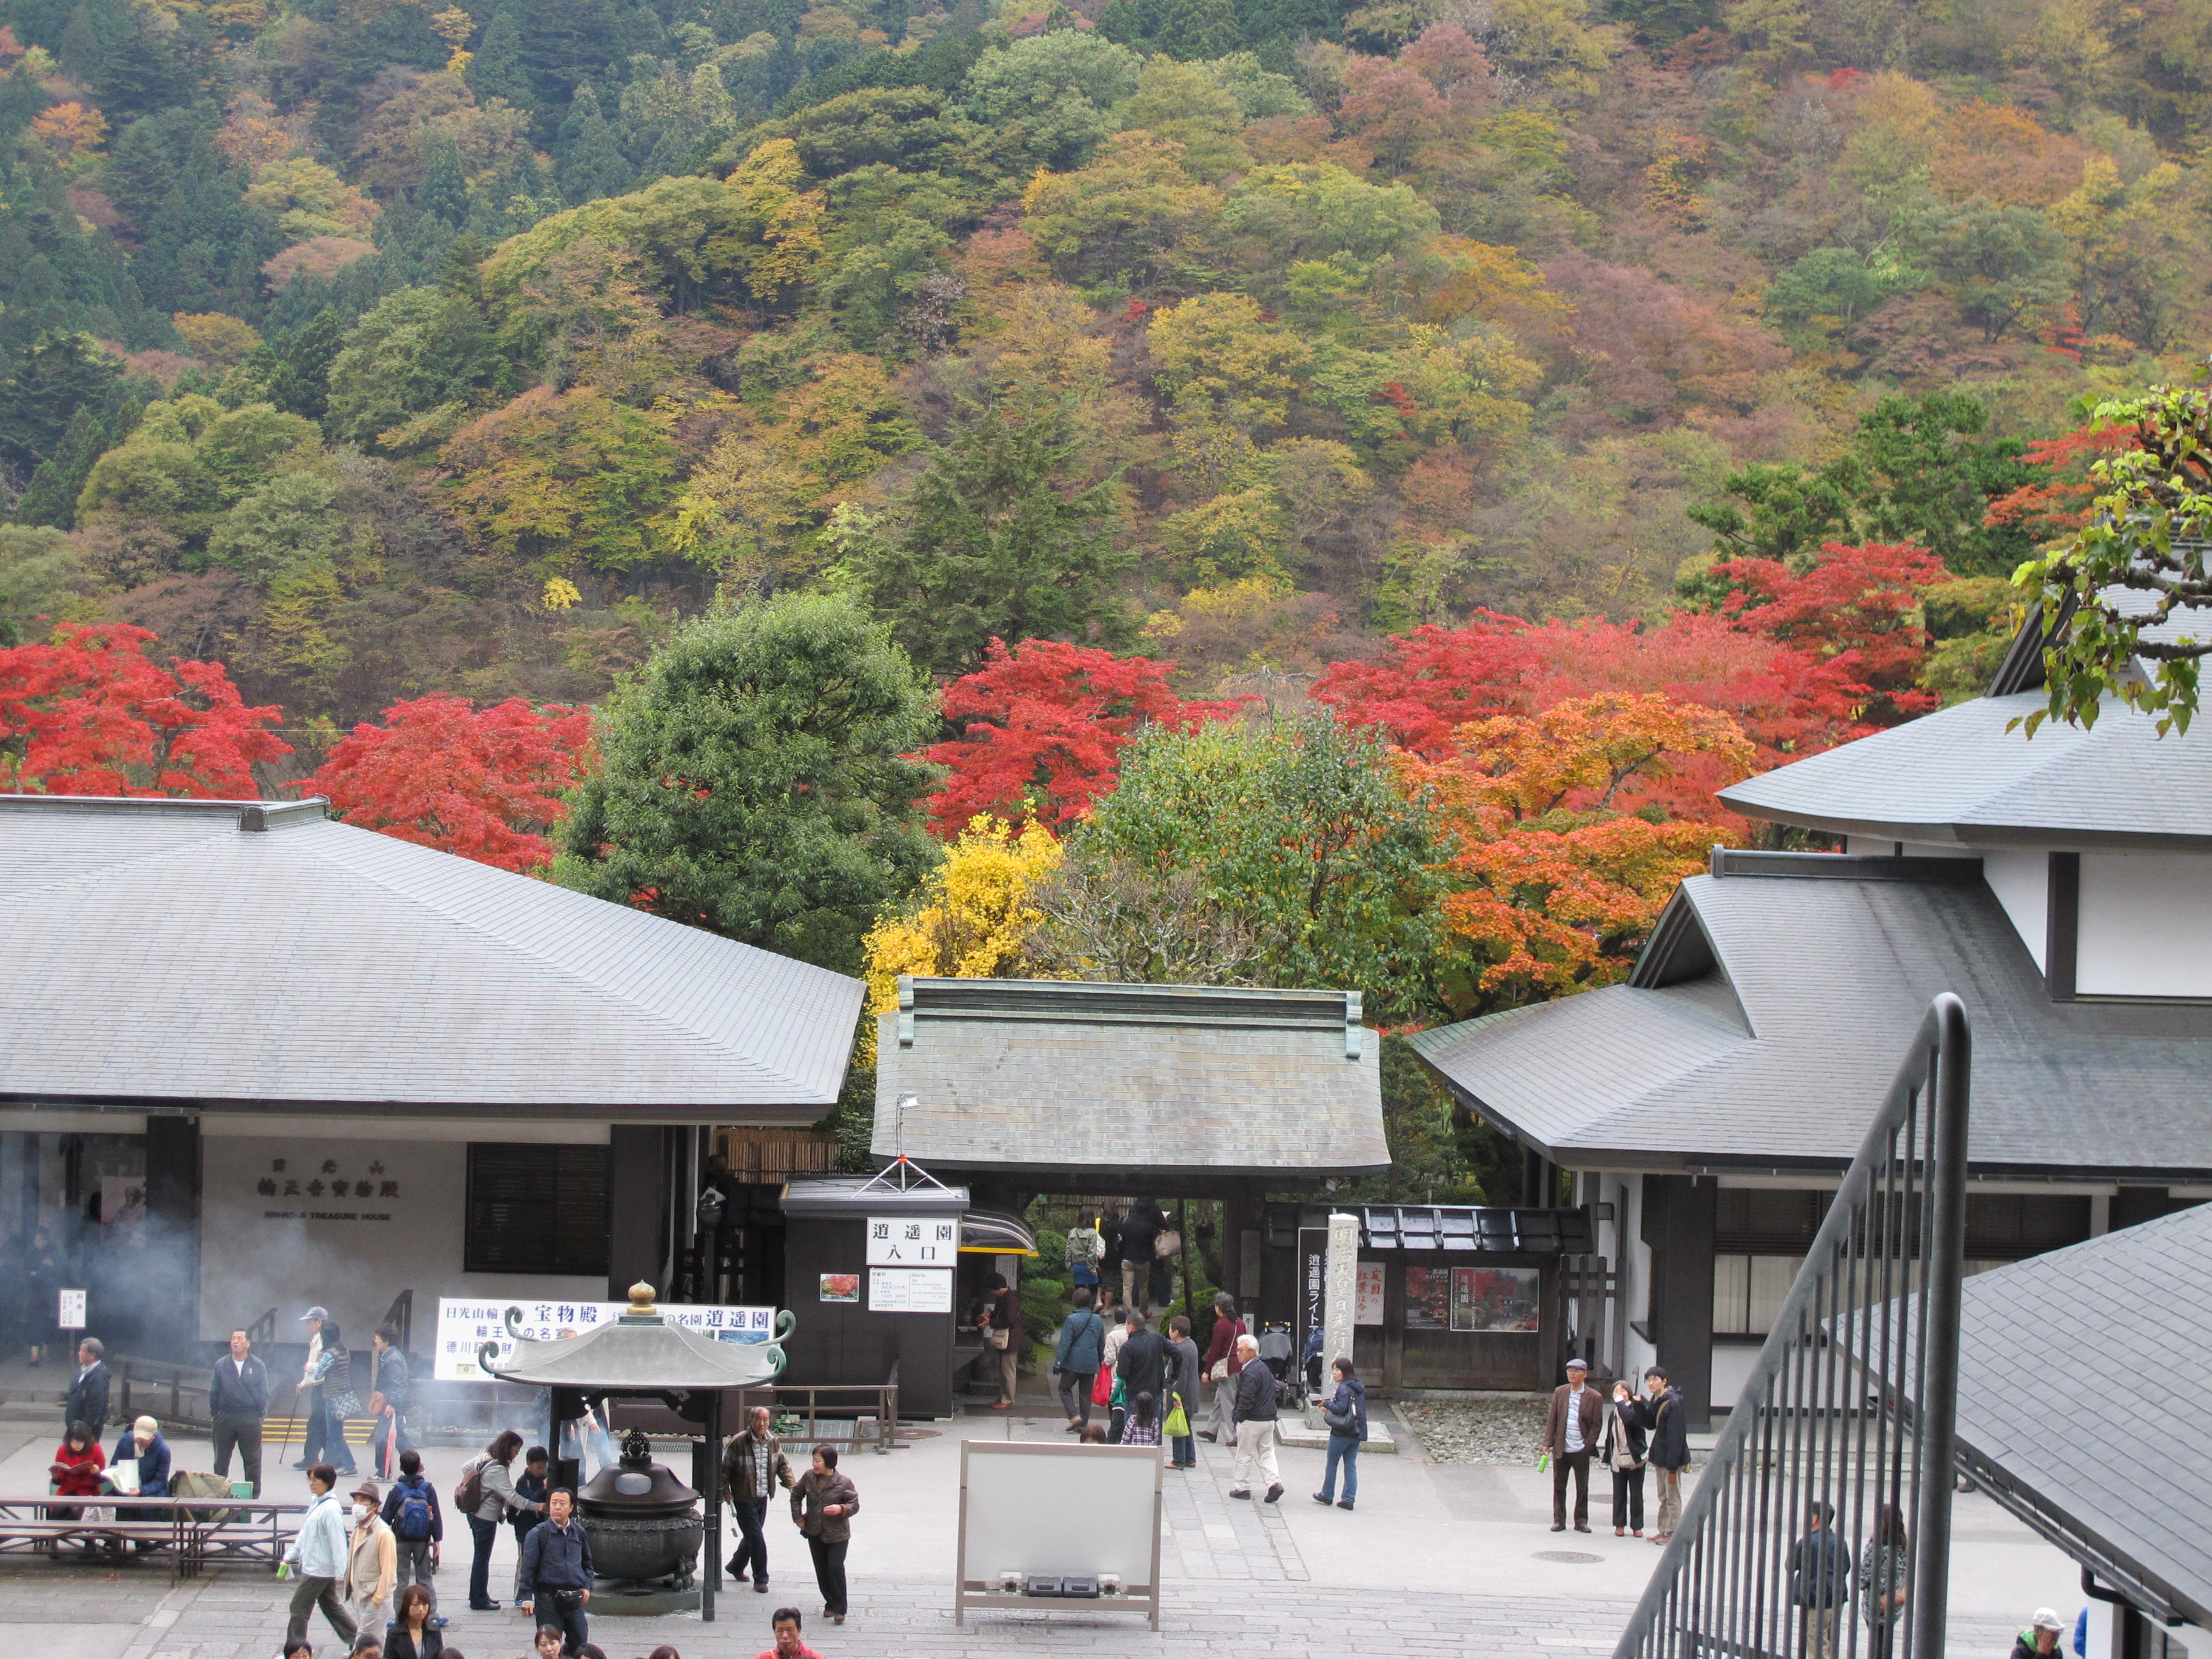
x: 496, y: 68
x: 1002, y: 540
x: 52, y: 497
x: 301, y: 385
x: 81, y: 52
x: 592, y: 162
x: 61, y: 374
x: 755, y: 780
x: 1133, y: 23
x: 444, y: 191
x: 1199, y: 31
x: 22, y: 98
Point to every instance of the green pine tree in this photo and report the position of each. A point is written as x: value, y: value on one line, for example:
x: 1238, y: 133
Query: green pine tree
x: 592, y: 162
x: 497, y: 70
x: 1003, y: 538
x: 1199, y: 31
x: 444, y: 191
x: 52, y: 497
x: 302, y: 382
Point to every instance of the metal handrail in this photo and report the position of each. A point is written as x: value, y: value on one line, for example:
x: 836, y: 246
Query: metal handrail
x: 884, y: 1395
x: 1854, y: 1397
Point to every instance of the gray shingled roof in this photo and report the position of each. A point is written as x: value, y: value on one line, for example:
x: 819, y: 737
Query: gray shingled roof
x: 2057, y: 1368
x: 155, y: 950
x: 1959, y: 776
x: 1796, y: 1000
x: 1049, y: 1075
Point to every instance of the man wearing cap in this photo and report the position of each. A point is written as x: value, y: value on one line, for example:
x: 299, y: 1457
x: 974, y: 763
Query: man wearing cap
x: 2041, y: 1636
x: 372, y: 1561
x: 307, y: 1402
x: 1568, y: 1438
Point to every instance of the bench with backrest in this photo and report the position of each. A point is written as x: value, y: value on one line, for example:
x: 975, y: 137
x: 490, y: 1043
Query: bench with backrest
x: 192, y: 1531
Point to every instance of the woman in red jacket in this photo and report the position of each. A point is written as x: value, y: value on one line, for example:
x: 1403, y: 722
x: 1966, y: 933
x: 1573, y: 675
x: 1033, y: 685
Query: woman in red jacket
x: 75, y: 1470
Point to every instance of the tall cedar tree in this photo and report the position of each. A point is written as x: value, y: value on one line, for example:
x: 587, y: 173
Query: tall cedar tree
x: 1004, y: 539
x: 755, y: 780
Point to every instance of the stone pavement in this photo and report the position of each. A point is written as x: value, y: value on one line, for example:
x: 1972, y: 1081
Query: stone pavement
x: 1436, y: 1560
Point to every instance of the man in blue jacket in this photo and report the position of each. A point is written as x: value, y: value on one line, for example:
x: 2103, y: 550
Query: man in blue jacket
x: 1076, y: 1356
x: 555, y: 1585
x: 418, y: 1527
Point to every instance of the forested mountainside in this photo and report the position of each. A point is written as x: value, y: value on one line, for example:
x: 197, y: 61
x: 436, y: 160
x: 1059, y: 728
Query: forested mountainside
x: 379, y: 348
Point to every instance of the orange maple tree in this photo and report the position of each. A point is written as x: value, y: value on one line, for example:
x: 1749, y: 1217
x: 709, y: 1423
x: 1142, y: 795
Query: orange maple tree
x: 1553, y: 884
x: 2064, y: 504
x: 1042, y: 725
x: 482, y: 782
x: 88, y: 713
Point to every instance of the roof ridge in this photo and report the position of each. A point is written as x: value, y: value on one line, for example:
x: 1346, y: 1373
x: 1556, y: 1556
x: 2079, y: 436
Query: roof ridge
x: 567, y: 973
x: 77, y: 877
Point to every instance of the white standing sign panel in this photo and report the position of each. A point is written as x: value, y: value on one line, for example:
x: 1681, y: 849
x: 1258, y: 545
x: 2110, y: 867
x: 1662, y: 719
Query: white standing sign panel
x: 71, y: 1314
x: 466, y: 1323
x: 898, y: 1241
x: 909, y: 1290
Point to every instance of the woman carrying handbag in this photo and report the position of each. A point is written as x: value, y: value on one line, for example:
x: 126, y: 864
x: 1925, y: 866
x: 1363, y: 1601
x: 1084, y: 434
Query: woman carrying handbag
x: 1620, y: 1449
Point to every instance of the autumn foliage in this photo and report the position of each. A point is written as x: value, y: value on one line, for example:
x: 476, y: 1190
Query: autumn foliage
x: 1552, y: 885
x: 90, y: 713
x: 1043, y: 726
x: 440, y: 772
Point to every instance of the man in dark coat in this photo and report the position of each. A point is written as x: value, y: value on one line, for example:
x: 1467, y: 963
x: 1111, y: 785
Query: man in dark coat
x: 753, y: 1467
x: 1143, y: 1364
x: 1254, y: 1416
x: 87, y: 1395
x: 1665, y: 1416
x: 1569, y: 1437
x: 1140, y: 1233
x: 1819, y: 1580
x: 238, y: 1401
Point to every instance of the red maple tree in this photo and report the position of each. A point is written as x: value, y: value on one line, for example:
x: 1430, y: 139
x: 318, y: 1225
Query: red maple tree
x: 1427, y: 684
x: 88, y: 712
x: 1856, y: 609
x: 482, y: 782
x: 1044, y: 723
x: 2064, y: 504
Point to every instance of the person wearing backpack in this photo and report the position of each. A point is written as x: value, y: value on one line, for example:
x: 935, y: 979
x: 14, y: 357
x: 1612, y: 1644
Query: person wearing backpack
x: 485, y: 1495
x: 418, y: 1527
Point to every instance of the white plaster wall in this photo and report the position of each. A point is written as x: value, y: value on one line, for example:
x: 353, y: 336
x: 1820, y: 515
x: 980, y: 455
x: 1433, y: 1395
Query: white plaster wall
x: 1733, y: 1364
x: 1636, y: 1262
x: 2146, y: 925
x: 2020, y: 878
x: 352, y: 1255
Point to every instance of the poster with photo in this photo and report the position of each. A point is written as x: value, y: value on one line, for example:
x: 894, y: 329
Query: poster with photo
x: 840, y: 1287
x: 1367, y: 1294
x: 1428, y: 1298
x: 1494, y: 1299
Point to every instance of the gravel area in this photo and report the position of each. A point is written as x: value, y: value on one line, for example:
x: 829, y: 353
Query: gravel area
x: 1505, y: 1430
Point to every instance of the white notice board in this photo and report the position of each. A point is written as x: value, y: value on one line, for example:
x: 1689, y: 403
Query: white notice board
x: 904, y: 1241
x: 1104, y: 1517
x: 910, y: 1290
x: 70, y: 1316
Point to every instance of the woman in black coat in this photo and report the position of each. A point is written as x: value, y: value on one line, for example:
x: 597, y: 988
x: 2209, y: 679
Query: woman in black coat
x: 1620, y: 1449
x: 412, y: 1636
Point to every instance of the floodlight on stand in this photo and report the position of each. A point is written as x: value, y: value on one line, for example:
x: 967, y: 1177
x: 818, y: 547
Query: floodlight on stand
x: 902, y: 1173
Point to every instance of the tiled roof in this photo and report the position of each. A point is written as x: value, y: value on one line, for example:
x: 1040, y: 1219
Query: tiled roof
x: 157, y: 951
x: 1779, y: 1048
x: 1959, y: 776
x: 2073, y: 1381
x: 1042, y: 1074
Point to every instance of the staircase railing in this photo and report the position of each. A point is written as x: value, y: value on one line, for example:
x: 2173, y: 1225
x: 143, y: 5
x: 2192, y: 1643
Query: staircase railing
x: 1849, y: 1414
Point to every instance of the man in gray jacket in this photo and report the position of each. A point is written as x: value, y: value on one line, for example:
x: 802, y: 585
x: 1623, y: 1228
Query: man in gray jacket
x: 1254, y: 1414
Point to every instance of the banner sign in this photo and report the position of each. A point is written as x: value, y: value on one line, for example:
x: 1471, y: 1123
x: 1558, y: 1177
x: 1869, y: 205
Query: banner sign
x: 466, y: 1323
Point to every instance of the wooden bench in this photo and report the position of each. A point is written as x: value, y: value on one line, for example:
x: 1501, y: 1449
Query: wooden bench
x: 193, y: 1532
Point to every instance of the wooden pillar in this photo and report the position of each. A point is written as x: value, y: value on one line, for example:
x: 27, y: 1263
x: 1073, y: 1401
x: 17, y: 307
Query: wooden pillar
x: 1679, y: 1212
x: 170, y: 1281
x: 637, y: 1198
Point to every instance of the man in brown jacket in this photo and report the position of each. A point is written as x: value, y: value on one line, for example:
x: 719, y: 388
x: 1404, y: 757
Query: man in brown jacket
x: 822, y: 1505
x: 753, y: 1467
x: 1568, y: 1439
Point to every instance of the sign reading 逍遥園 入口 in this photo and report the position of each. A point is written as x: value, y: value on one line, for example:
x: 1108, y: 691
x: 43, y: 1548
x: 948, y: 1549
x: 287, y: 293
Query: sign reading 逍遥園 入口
x: 466, y: 1323
x: 896, y: 1240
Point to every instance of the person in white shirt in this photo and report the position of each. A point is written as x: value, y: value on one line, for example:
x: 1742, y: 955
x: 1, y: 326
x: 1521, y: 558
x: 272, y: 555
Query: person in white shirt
x: 1569, y: 1435
x: 319, y: 1553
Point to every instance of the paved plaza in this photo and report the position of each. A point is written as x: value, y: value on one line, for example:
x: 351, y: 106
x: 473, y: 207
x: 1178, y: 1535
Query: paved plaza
x: 1436, y: 1560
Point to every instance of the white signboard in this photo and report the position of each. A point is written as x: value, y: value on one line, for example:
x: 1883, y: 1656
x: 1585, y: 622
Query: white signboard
x: 1367, y: 1289
x: 71, y: 1317
x: 909, y: 1290
x: 466, y: 1323
x: 899, y: 1241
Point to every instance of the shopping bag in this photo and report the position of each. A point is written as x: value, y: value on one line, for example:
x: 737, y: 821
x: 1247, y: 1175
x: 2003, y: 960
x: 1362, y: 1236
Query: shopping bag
x: 1102, y: 1388
x: 1178, y: 1426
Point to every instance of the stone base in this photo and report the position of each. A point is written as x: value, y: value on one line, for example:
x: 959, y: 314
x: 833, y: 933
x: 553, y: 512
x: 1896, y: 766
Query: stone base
x: 1313, y: 1436
x: 645, y: 1601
